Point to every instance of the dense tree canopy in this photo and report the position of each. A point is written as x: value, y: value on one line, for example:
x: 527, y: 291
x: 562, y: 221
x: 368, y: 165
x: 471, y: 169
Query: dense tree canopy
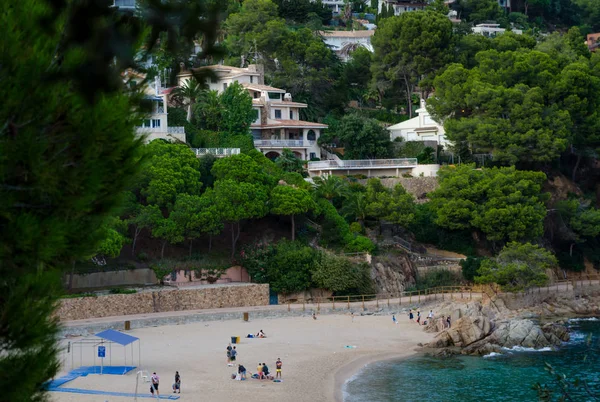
x: 503, y: 203
x: 361, y: 138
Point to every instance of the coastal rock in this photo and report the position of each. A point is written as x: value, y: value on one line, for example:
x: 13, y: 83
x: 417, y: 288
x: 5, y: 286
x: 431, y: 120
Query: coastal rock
x: 558, y: 330
x: 392, y: 273
x: 465, y: 331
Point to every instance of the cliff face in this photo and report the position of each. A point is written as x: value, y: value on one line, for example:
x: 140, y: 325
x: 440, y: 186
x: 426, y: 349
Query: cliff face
x: 392, y: 273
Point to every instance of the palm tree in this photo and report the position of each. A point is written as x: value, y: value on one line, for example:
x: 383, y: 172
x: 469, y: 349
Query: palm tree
x: 355, y: 207
x: 188, y: 94
x: 329, y: 187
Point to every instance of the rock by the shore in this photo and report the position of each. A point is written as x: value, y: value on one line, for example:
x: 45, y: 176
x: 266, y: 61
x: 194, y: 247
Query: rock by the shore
x: 465, y: 331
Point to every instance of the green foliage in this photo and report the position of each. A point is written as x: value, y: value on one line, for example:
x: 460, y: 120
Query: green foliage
x: 335, y: 229
x: 427, y: 34
x: 244, y: 169
x: 289, y: 200
x: 288, y: 162
x: 470, y: 266
x: 478, y: 11
x: 395, y: 206
x: 518, y: 266
x: 171, y: 169
x: 238, y: 113
x: 523, y: 106
x: 162, y: 268
x: 359, y: 244
x: 342, y: 276
x: 285, y: 266
x: 329, y: 187
x: 299, y: 11
x: 114, y: 238
x: 122, y: 291
x: 503, y: 203
x: 438, y: 277
x: 362, y: 138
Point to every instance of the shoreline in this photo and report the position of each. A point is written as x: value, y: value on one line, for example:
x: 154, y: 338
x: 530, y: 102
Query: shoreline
x: 349, y: 370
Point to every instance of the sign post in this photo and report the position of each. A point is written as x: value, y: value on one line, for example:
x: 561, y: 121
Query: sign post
x: 101, y: 355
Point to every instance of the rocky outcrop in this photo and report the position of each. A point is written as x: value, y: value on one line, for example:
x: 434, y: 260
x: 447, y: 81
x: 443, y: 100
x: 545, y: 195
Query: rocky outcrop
x: 464, y: 332
x: 392, y: 273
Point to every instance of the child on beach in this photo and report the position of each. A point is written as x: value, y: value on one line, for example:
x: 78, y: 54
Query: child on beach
x: 430, y: 315
x: 177, y: 383
x: 314, y: 316
x: 418, y: 317
x: 394, y: 319
x: 233, y: 354
x: 259, y: 371
x: 229, y: 349
x: 242, y: 372
x: 278, y: 365
x: 411, y: 315
x: 154, y: 387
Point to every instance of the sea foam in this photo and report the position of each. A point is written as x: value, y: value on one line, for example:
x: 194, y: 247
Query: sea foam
x: 524, y: 349
x: 492, y: 354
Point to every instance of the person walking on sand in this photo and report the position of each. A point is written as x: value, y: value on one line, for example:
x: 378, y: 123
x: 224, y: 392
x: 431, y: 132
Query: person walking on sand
x: 352, y: 315
x: 229, y: 349
x: 430, y: 316
x: 411, y: 315
x: 394, y: 319
x: 278, y: 365
x: 154, y: 387
x: 242, y: 372
x: 177, y: 383
x: 418, y: 317
x: 448, y: 322
x: 233, y: 354
x: 314, y: 316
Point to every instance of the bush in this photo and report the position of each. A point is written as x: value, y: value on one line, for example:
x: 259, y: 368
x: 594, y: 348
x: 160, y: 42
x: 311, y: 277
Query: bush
x: 441, y: 277
x: 122, y: 291
x: 355, y: 227
x: 286, y: 266
x: 470, y: 266
x: 342, y: 276
x: 358, y: 244
x: 335, y: 229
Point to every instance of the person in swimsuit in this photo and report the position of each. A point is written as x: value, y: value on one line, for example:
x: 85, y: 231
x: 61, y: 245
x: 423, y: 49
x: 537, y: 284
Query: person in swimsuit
x: 278, y: 365
x: 177, y: 384
x: 154, y: 387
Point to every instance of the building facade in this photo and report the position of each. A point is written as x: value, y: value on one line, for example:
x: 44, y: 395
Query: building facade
x: 155, y: 126
x: 344, y: 42
x: 421, y: 128
x: 401, y: 7
x: 278, y: 124
x: 491, y: 30
x: 593, y: 41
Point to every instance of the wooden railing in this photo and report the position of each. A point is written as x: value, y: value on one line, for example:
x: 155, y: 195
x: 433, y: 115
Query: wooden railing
x: 389, y: 299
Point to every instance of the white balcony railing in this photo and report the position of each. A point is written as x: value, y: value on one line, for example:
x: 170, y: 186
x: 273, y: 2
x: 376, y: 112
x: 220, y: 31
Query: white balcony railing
x: 218, y: 152
x: 283, y: 143
x: 124, y: 3
x: 176, y: 130
x: 363, y: 164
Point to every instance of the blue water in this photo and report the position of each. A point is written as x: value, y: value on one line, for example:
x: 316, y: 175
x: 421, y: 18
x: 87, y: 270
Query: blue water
x: 507, y: 377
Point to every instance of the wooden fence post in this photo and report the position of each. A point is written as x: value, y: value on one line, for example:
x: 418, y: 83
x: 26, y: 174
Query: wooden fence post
x: 419, y: 296
x: 333, y: 301
x: 363, y: 301
x: 349, y: 302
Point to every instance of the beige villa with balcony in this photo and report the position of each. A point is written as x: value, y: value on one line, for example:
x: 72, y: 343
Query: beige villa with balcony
x: 155, y: 126
x: 277, y: 125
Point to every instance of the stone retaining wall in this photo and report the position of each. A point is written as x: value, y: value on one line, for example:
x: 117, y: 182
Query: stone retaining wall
x: 164, y: 300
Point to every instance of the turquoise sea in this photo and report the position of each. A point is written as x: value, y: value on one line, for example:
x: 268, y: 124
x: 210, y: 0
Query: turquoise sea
x: 505, y: 377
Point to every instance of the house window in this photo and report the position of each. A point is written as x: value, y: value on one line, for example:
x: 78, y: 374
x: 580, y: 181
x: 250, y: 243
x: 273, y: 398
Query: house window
x: 251, y: 79
x: 274, y: 95
x: 291, y: 115
x: 313, y: 155
x: 213, y: 80
x: 155, y: 123
x: 224, y: 86
x: 146, y: 123
x: 277, y: 114
x: 311, y: 136
x: 256, y: 95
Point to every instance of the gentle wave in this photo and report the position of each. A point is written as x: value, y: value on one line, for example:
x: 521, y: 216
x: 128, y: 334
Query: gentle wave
x: 524, y: 349
x: 492, y: 354
x: 584, y: 319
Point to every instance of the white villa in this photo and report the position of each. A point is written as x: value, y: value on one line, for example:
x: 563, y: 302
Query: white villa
x: 402, y: 6
x: 340, y: 41
x: 491, y: 30
x: 155, y: 126
x: 420, y: 128
x: 277, y: 125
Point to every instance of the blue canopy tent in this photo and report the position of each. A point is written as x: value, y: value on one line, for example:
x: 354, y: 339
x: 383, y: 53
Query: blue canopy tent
x: 106, y: 339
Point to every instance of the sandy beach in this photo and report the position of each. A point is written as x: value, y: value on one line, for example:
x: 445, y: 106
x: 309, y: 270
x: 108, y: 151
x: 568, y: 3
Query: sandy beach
x: 316, y: 362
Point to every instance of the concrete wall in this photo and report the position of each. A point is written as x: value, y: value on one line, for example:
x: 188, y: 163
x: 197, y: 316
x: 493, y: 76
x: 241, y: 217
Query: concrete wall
x: 208, y: 297
x: 417, y: 186
x: 232, y: 274
x: 132, y: 277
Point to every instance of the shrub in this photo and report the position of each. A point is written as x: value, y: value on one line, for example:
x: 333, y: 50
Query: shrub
x: 355, y: 227
x: 470, y: 266
x: 342, y: 276
x: 286, y: 266
x: 440, y: 277
x: 335, y: 229
x: 358, y: 244
x: 121, y: 291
